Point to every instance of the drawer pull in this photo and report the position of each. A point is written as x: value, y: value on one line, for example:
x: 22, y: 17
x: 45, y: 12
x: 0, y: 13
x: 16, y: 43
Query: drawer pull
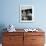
x: 33, y: 39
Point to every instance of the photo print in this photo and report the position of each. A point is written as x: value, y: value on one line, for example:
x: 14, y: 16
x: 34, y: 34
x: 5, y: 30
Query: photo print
x: 26, y: 13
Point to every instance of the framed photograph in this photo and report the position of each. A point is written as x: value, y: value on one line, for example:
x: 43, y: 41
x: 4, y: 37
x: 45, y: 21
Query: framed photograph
x: 26, y: 13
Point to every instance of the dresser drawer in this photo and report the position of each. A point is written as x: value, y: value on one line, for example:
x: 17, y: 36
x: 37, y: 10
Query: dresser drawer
x: 12, y: 39
x: 37, y: 39
x: 37, y: 44
x: 34, y: 33
x: 20, y: 44
x: 13, y: 33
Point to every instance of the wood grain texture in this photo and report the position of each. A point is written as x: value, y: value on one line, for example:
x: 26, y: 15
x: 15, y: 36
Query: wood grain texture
x: 13, y: 39
x: 34, y: 39
x: 23, y: 39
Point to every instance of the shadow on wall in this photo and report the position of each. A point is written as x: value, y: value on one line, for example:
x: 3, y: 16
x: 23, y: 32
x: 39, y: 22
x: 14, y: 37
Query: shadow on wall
x: 2, y: 26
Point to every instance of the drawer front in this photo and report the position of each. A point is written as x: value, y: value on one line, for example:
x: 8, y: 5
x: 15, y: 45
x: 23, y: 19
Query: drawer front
x: 13, y: 33
x: 37, y: 39
x: 13, y: 40
x: 37, y: 45
x: 5, y: 40
x: 34, y: 33
x: 12, y: 44
x: 33, y: 39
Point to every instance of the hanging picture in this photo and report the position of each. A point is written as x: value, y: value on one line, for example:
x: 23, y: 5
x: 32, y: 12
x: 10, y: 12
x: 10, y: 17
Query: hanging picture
x: 26, y: 13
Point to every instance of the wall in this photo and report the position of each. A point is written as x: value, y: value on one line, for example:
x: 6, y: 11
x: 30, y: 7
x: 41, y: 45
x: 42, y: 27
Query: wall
x: 9, y: 13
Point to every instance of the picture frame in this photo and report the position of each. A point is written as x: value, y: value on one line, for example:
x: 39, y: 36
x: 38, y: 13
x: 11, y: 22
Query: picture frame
x: 27, y: 13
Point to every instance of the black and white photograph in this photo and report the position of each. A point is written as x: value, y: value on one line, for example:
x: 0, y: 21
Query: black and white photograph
x: 26, y: 13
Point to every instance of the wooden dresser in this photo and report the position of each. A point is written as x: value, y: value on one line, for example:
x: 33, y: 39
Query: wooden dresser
x: 23, y: 38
